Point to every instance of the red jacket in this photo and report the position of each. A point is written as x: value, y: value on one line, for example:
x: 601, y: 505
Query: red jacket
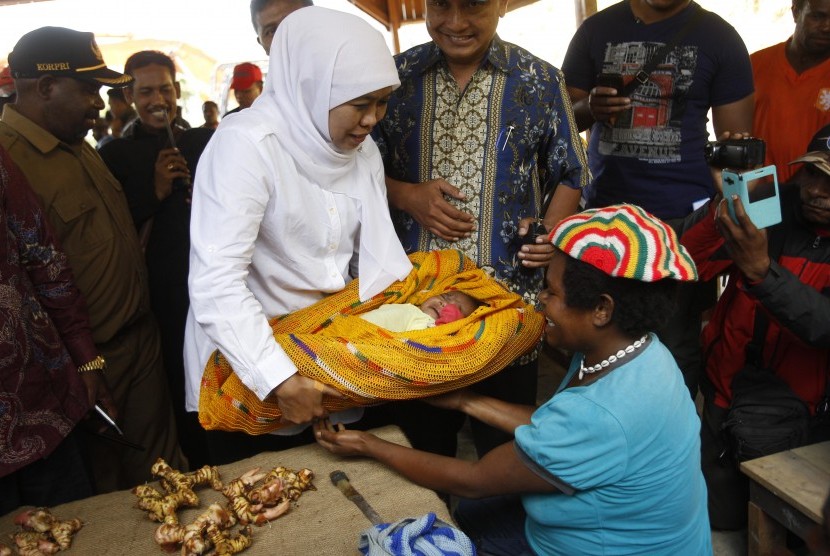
x: 795, y: 295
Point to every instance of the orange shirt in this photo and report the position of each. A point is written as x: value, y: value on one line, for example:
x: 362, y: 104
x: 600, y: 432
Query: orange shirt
x: 789, y: 107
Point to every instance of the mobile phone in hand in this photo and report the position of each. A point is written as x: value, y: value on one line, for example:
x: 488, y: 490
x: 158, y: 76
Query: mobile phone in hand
x: 612, y: 80
x: 758, y: 191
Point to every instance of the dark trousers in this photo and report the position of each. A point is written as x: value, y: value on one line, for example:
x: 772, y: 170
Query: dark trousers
x: 226, y: 447
x: 681, y: 334
x: 58, y: 478
x: 170, y: 303
x: 435, y: 430
x: 496, y: 525
x: 728, y: 488
x: 135, y: 376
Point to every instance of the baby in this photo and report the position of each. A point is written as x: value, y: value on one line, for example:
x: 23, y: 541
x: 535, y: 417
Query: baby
x: 438, y: 309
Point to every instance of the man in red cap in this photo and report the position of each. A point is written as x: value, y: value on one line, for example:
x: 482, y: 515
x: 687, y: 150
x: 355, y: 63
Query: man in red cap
x: 246, y: 85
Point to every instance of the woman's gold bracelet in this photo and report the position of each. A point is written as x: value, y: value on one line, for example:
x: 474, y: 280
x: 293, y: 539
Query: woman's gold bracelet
x: 97, y: 364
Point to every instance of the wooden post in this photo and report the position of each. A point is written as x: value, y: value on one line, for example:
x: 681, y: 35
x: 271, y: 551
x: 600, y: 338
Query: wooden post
x: 766, y: 537
x: 584, y: 9
x: 393, y: 8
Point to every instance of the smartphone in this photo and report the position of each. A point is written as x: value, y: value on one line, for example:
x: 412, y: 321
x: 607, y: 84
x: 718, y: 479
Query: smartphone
x: 612, y: 80
x: 535, y: 230
x: 758, y: 191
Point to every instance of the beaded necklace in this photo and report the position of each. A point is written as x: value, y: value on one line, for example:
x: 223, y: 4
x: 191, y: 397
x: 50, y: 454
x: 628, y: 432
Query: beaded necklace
x: 605, y: 363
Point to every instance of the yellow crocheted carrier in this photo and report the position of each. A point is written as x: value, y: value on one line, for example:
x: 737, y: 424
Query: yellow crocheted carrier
x: 369, y: 364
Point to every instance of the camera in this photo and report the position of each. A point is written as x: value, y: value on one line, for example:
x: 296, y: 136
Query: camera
x: 741, y: 154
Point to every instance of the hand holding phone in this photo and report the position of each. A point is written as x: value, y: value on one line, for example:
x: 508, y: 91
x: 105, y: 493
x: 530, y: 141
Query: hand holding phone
x: 612, y: 81
x: 605, y: 105
x: 758, y: 192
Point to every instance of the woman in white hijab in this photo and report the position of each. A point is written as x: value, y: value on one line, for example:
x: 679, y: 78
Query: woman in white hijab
x: 289, y: 204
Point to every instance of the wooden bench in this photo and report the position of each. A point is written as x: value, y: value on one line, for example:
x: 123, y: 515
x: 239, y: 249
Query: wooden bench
x: 786, y: 493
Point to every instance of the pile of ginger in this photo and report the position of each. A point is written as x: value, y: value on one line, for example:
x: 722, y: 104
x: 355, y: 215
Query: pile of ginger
x: 42, y: 533
x: 254, y: 498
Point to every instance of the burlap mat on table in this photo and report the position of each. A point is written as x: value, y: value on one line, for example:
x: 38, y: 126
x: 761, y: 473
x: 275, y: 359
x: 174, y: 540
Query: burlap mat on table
x: 323, y: 522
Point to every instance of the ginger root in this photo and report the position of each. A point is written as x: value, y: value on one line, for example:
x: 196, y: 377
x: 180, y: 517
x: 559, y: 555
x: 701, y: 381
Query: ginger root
x: 62, y: 532
x: 179, y: 488
x: 226, y: 545
x: 43, y: 533
x: 169, y: 536
x: 206, y: 475
x: 269, y: 494
x: 270, y: 500
x: 258, y: 515
x: 295, y: 483
x: 248, y: 503
x: 34, y: 543
x: 174, y: 481
x: 163, y: 508
x: 241, y: 485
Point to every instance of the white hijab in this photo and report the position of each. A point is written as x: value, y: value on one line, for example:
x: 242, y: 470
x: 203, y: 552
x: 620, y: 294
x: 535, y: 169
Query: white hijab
x: 321, y: 58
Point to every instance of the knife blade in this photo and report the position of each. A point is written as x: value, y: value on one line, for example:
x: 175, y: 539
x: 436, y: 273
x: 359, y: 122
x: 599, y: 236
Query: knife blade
x: 341, y: 481
x: 108, y: 419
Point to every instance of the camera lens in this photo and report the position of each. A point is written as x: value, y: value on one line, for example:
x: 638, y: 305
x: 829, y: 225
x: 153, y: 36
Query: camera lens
x: 709, y: 151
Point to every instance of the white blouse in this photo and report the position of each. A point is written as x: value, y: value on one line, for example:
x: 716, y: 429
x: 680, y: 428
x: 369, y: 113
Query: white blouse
x: 264, y: 242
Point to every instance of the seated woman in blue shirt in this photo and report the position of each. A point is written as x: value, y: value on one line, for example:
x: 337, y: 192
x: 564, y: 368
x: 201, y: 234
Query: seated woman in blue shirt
x: 611, y: 463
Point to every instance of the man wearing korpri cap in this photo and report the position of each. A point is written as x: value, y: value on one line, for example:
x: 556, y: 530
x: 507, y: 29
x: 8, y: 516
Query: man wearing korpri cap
x: 782, y: 275
x: 58, y: 73
x: 246, y: 85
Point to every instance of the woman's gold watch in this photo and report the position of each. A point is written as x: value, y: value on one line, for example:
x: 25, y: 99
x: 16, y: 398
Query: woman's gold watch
x: 97, y: 364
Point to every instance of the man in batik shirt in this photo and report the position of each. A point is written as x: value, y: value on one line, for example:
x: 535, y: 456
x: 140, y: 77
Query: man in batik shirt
x: 45, y: 339
x: 478, y: 142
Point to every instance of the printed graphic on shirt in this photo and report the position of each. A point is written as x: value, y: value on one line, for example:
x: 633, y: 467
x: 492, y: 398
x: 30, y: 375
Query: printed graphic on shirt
x: 650, y: 130
x: 823, y: 100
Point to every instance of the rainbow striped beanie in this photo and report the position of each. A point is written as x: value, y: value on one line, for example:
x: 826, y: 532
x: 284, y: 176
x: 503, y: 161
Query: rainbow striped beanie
x: 624, y: 241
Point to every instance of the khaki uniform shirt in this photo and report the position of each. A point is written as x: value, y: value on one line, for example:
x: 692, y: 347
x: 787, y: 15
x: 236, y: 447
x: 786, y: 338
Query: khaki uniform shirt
x: 88, y: 210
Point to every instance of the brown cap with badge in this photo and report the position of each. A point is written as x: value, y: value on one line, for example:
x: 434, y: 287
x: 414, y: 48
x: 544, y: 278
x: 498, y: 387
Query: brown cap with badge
x: 64, y: 53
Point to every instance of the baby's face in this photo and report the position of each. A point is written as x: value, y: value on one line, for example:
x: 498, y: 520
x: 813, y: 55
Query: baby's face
x: 433, y: 305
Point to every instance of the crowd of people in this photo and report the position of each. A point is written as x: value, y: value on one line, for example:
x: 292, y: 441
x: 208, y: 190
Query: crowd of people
x: 130, y: 264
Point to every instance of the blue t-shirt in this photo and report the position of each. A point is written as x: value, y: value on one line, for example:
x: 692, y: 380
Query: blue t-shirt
x: 653, y: 155
x: 626, y: 451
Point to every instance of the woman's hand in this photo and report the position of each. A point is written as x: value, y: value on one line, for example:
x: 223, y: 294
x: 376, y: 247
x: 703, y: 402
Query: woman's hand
x: 340, y: 441
x: 300, y: 399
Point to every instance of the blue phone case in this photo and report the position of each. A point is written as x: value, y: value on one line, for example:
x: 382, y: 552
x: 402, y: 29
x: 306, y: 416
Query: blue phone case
x: 763, y: 212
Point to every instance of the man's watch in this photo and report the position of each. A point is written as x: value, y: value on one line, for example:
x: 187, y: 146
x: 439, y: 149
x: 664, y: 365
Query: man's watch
x: 97, y: 364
